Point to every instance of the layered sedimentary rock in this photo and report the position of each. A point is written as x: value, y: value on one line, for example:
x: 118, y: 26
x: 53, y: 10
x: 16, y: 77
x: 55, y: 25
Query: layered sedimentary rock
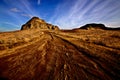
x: 37, y: 23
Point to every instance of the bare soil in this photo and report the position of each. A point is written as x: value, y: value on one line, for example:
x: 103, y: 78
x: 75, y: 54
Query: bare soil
x: 60, y: 55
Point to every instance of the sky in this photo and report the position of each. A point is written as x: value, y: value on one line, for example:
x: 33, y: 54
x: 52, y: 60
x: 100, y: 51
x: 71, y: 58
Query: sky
x: 67, y: 14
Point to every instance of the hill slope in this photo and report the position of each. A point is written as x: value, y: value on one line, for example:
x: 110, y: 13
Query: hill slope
x: 60, y: 55
x: 40, y: 51
x: 37, y: 23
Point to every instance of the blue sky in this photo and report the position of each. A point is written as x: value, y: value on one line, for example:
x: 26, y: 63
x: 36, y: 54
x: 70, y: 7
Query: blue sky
x: 67, y: 14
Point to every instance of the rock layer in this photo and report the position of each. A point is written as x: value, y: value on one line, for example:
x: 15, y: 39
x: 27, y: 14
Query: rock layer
x: 36, y: 23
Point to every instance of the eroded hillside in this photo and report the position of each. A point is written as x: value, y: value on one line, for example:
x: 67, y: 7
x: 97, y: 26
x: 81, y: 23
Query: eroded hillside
x: 60, y: 55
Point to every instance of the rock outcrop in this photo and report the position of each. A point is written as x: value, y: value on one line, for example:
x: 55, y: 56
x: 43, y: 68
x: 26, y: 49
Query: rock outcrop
x: 93, y: 26
x: 37, y: 23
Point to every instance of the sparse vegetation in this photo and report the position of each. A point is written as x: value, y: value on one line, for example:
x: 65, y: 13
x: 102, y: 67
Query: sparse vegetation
x: 56, y: 55
x: 115, y: 36
x: 1, y: 41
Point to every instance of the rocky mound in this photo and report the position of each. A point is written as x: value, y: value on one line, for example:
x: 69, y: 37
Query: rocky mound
x: 37, y: 23
x: 93, y: 26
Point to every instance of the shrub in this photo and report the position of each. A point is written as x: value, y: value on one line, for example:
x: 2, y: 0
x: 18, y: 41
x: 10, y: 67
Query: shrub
x: 1, y: 41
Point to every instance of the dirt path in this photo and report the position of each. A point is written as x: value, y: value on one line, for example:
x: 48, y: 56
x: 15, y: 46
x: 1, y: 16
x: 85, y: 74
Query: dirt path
x: 56, y: 57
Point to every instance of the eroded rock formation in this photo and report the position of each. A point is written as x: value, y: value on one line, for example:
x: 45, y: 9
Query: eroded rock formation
x: 37, y: 23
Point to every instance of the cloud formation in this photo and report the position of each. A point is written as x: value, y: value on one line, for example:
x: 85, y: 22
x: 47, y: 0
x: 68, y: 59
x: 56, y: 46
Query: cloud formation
x: 86, y: 11
x: 65, y: 13
x: 15, y: 10
x: 12, y: 24
x: 27, y: 15
x: 38, y: 2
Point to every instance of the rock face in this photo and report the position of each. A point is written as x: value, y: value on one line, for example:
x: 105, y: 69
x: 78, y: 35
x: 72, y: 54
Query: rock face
x: 93, y: 26
x: 37, y: 23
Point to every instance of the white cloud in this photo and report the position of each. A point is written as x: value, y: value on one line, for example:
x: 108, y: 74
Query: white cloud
x: 113, y: 24
x: 15, y: 10
x: 27, y: 15
x: 27, y: 7
x: 79, y: 13
x: 39, y: 1
x: 12, y: 24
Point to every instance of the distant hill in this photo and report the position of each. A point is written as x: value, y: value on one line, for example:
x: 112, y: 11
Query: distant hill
x: 97, y: 26
x: 37, y: 23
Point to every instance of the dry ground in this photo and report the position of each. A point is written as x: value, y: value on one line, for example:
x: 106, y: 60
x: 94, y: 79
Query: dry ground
x: 60, y: 55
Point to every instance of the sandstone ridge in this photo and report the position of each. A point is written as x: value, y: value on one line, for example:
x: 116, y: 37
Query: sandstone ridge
x: 37, y: 23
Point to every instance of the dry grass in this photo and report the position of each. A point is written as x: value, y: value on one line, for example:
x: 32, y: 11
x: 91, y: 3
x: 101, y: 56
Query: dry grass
x: 13, y: 39
x: 60, y: 55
